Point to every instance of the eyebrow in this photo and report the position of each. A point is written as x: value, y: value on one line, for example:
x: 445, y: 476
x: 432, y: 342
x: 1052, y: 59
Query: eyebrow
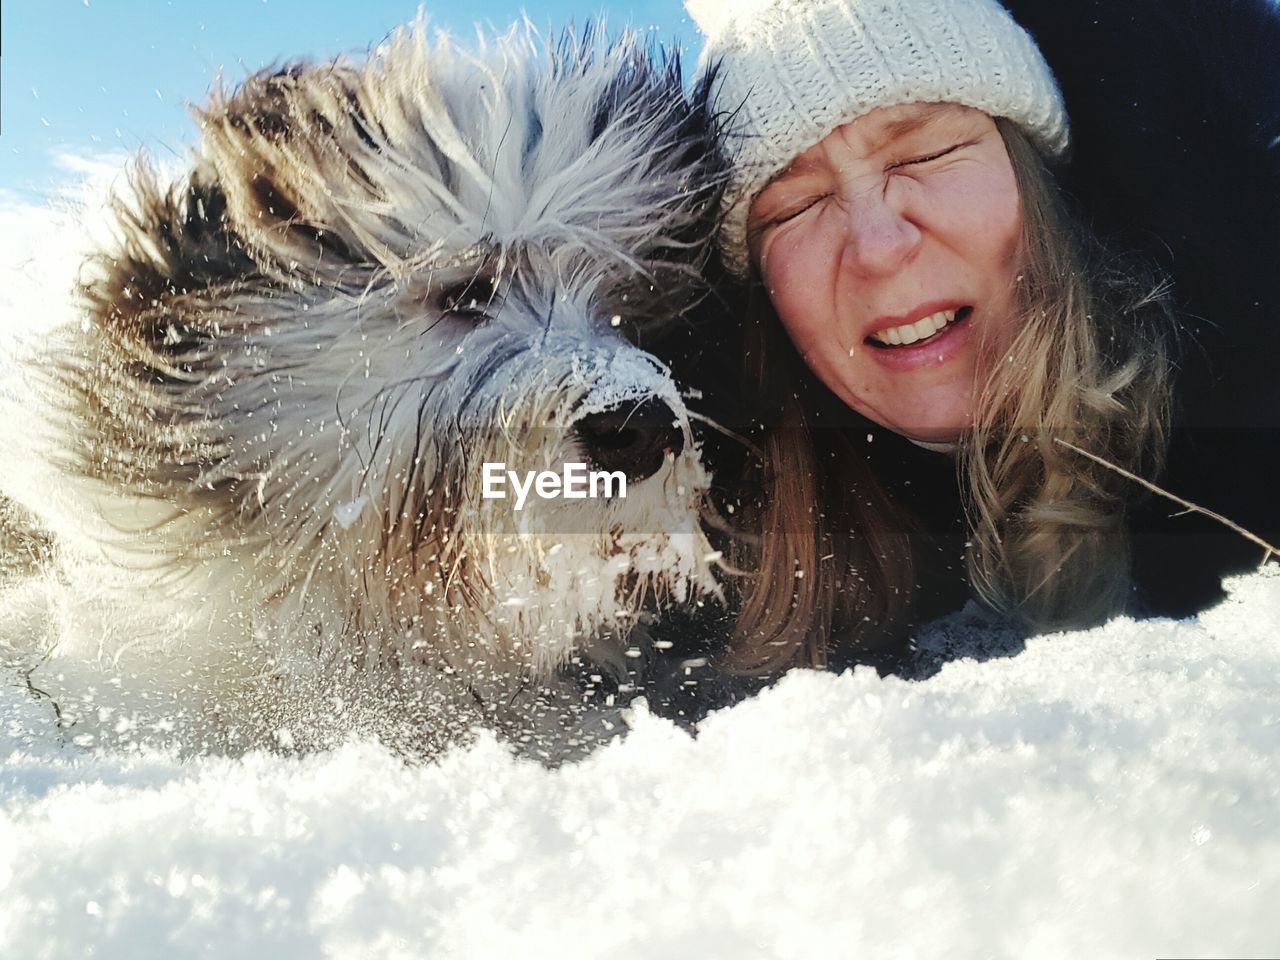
x: 799, y: 164
x: 893, y: 130
x: 907, y: 125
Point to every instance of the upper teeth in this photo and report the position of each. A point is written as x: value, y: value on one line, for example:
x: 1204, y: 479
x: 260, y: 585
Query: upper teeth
x: 911, y: 332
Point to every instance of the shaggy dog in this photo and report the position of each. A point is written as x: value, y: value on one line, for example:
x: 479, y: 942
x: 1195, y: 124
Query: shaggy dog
x: 265, y: 436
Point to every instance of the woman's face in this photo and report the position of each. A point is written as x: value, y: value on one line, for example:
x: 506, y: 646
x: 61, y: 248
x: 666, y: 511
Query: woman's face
x: 887, y: 249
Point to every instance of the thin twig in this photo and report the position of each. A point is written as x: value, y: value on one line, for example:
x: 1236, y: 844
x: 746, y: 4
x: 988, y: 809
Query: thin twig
x: 1269, y: 549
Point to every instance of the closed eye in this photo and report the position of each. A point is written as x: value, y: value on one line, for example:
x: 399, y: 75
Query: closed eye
x: 790, y: 214
x: 914, y: 161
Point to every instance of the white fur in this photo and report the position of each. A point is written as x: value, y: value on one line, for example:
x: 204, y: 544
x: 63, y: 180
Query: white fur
x: 342, y: 404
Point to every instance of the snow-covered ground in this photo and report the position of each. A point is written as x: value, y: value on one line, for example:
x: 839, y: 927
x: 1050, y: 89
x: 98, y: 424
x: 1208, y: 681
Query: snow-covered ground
x: 1110, y: 793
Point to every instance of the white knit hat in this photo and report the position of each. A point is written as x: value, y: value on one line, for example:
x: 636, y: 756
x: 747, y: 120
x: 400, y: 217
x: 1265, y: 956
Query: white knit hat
x: 791, y: 71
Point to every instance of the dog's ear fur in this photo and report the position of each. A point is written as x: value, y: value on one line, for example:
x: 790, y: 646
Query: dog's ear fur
x: 147, y: 342
x: 180, y: 249
x: 651, y: 85
x: 279, y: 145
x: 172, y: 242
x: 237, y: 215
x: 646, y: 103
x: 232, y: 222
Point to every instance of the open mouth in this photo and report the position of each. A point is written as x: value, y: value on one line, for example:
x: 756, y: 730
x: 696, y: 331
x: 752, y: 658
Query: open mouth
x: 919, y: 333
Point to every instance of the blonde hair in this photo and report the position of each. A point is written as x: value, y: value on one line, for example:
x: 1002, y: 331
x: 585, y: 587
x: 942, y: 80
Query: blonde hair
x: 803, y: 495
x: 1088, y: 360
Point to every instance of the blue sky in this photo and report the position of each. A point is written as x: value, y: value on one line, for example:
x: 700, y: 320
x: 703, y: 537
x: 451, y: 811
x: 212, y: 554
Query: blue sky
x: 88, y: 78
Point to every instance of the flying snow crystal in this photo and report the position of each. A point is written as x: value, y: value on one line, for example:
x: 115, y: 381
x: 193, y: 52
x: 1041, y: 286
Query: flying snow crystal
x: 348, y: 513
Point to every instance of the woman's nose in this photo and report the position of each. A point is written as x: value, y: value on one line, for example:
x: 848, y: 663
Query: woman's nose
x: 880, y: 238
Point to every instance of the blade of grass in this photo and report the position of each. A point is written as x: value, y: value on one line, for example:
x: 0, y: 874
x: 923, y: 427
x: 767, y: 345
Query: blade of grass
x: 1269, y: 550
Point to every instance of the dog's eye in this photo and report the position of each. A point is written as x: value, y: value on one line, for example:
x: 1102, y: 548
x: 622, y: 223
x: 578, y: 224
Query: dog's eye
x: 469, y: 298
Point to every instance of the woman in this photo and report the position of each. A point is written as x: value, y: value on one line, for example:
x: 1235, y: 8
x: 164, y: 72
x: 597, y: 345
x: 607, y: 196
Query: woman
x: 896, y: 194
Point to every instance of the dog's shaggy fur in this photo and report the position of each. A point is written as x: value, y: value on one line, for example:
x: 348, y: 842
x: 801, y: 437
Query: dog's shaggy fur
x: 269, y: 422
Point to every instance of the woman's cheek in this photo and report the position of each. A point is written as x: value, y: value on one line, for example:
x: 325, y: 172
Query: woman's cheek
x: 999, y: 212
x: 792, y: 267
x: 776, y: 269
x: 778, y: 273
x: 793, y: 307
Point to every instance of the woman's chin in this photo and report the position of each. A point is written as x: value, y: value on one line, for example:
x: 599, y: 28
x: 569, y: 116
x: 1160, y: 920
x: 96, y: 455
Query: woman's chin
x: 930, y: 404
x: 942, y: 419
x: 938, y: 437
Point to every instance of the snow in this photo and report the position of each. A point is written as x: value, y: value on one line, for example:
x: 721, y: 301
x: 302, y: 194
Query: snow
x: 1105, y: 793
x: 348, y: 513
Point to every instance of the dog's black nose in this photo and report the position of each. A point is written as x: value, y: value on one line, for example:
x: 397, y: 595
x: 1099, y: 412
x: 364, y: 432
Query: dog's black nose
x: 632, y: 438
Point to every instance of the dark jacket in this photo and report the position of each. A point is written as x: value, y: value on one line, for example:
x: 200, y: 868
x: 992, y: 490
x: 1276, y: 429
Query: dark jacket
x: 1175, y: 118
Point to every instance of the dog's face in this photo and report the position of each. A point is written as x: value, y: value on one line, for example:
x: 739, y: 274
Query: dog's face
x: 380, y: 277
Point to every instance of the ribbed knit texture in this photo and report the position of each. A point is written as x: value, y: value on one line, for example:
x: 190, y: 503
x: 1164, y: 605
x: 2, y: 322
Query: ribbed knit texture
x: 791, y: 71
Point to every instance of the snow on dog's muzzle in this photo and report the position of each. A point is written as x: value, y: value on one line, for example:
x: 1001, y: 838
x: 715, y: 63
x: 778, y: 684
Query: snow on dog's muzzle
x: 632, y: 417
